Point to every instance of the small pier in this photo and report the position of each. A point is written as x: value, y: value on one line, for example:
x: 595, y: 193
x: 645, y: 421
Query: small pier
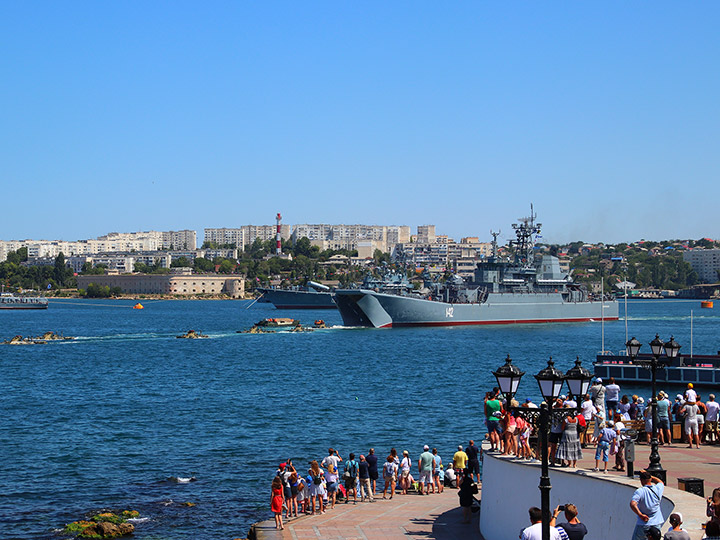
x: 405, y: 517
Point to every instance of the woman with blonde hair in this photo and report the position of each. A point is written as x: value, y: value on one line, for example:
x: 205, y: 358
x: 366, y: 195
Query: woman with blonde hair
x: 317, y: 491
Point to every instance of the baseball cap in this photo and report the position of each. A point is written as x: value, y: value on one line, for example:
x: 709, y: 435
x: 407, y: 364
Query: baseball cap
x: 426, y: 447
x: 599, y: 379
x: 281, y: 466
x: 528, y: 400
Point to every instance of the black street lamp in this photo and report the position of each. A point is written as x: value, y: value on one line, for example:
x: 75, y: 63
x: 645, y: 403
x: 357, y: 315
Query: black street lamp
x: 508, y: 379
x: 657, y: 347
x: 550, y: 380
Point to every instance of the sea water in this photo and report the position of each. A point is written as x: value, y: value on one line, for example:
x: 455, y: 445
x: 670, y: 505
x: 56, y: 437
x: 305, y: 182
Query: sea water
x: 126, y: 416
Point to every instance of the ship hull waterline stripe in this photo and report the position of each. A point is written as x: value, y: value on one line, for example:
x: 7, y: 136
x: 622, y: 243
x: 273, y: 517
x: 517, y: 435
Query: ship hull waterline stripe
x: 476, y: 323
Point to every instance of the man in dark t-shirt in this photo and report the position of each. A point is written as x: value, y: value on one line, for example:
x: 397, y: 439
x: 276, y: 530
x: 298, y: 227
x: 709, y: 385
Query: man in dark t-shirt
x: 372, y: 460
x: 473, y: 466
x: 364, y: 476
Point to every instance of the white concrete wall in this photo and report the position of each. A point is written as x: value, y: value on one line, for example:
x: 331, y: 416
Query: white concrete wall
x: 510, y: 488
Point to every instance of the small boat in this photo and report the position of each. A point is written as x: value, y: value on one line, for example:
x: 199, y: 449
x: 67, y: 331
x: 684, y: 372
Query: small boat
x: 19, y: 340
x: 14, y: 301
x: 192, y: 334
x: 706, y: 304
x: 52, y: 336
x: 278, y: 322
x: 255, y: 330
x: 319, y: 324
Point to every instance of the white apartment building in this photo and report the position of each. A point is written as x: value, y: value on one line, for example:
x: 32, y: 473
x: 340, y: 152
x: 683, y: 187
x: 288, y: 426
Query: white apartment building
x: 351, y: 237
x: 706, y: 262
x: 246, y: 235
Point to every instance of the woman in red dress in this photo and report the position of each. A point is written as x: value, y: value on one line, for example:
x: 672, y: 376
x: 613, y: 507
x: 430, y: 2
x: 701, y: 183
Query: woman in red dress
x: 277, y: 499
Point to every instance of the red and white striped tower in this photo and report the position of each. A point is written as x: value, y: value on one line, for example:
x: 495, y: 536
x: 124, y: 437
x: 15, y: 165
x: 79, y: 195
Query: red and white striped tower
x: 278, y: 246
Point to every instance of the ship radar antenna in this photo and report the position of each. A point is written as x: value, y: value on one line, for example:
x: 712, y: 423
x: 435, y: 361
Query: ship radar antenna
x: 494, y: 243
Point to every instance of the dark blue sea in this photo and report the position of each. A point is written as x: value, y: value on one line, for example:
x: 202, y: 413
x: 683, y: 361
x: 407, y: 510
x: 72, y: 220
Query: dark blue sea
x: 120, y: 417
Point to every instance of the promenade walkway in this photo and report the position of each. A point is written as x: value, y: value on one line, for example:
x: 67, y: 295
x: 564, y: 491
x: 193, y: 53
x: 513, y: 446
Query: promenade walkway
x: 404, y: 517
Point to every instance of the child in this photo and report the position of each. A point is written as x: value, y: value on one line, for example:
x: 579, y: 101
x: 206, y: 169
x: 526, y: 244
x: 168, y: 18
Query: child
x: 277, y: 500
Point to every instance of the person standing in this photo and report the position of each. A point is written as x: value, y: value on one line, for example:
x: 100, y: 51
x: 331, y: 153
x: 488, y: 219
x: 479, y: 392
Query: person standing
x: 597, y: 393
x: 473, y: 460
x: 390, y: 475
x: 569, y: 448
x: 711, y: 420
x: 645, y: 503
x: 350, y: 477
x: 332, y: 457
x: 331, y: 479
x: 277, y: 501
x: 663, y: 412
x: 372, y: 461
x: 364, y: 475
x: 588, y: 411
x: 437, y: 470
x: 426, y: 464
x: 612, y: 397
x: 460, y: 459
x: 405, y: 466
x: 467, y: 492
x: 606, y: 436
x: 493, y: 409
x: 690, y: 410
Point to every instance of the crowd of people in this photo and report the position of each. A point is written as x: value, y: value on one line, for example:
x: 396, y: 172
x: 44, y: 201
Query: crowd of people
x: 295, y: 493
x: 600, y: 420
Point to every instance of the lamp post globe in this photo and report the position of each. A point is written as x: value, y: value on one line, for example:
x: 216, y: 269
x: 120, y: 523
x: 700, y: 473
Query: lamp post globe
x: 657, y: 346
x: 578, y: 379
x: 672, y: 348
x: 550, y: 380
x: 633, y: 347
x: 508, y: 378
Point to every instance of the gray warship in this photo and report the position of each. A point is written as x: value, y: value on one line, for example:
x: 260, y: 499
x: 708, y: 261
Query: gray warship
x: 312, y: 296
x: 524, y: 289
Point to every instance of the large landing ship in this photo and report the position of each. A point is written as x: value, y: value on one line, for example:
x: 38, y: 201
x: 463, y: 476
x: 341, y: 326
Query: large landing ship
x: 503, y: 291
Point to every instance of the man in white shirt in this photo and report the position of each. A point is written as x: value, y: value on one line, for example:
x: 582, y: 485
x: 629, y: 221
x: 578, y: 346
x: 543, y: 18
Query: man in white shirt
x: 534, y: 531
x: 332, y: 457
x: 711, y: 420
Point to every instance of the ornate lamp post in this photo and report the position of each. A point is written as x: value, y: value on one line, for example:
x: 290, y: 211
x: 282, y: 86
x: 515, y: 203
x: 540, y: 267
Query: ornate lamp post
x: 657, y: 347
x: 550, y: 380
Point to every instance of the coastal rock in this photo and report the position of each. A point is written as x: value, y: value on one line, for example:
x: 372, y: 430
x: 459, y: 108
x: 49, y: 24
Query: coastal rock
x: 126, y: 528
x: 108, y: 530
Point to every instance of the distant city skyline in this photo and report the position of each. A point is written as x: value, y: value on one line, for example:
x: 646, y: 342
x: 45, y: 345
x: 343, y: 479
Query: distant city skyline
x: 125, y: 117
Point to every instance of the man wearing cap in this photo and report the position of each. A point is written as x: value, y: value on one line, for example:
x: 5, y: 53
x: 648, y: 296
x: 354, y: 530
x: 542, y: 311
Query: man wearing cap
x: 597, y: 393
x: 426, y: 464
x: 663, y: 411
x: 645, y: 503
x: 460, y: 460
x: 529, y: 404
x: 473, y: 463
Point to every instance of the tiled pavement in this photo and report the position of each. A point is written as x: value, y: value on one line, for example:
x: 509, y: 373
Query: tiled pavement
x: 404, y: 517
x: 438, y: 516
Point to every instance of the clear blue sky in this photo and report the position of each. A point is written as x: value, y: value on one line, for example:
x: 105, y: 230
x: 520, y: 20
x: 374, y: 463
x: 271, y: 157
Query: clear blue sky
x: 125, y: 116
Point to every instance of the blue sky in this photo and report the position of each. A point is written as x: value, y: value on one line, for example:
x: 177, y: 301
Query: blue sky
x: 133, y: 116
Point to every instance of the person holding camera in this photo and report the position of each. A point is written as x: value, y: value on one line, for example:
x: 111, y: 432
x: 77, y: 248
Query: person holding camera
x: 573, y: 528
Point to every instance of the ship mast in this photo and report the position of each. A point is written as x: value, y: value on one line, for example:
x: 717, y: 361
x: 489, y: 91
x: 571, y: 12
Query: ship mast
x: 524, y: 244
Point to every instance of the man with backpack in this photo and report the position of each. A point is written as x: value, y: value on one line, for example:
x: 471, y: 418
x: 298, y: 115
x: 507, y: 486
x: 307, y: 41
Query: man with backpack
x: 350, y: 476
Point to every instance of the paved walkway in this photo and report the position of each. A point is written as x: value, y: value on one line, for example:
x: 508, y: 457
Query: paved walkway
x: 404, y: 517
x: 678, y: 460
